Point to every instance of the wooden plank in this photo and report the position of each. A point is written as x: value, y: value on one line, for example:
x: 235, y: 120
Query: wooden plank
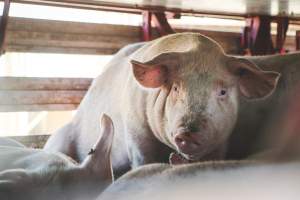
x: 32, y: 141
x: 36, y: 35
x: 65, y: 50
x: 33, y: 97
x: 31, y: 83
x: 40, y: 94
x: 35, y: 108
x: 67, y: 40
x: 53, y: 26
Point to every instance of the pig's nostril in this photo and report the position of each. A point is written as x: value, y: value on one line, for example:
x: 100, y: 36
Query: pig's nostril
x: 180, y: 141
x: 186, y: 141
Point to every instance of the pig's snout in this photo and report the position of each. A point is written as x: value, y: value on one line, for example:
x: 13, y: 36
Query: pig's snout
x: 188, y: 143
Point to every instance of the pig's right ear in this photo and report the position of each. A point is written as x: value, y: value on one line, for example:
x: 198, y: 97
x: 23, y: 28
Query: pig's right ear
x: 149, y: 76
x: 155, y: 72
x: 98, y: 161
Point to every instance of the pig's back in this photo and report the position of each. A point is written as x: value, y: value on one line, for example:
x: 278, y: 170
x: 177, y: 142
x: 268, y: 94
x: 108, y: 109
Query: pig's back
x: 13, y: 157
x: 106, y: 96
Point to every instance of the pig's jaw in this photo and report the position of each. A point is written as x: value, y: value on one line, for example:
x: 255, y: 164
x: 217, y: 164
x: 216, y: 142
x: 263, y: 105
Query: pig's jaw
x: 191, y: 158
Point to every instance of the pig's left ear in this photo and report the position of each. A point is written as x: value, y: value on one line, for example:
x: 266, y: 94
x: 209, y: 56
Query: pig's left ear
x: 253, y: 82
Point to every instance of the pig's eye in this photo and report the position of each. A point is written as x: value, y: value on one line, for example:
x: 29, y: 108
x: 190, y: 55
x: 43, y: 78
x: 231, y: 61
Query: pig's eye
x: 222, y: 92
x: 175, y: 88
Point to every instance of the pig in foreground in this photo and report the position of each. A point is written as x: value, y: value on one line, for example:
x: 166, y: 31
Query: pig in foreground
x: 272, y: 175
x: 10, y: 142
x: 34, y: 174
x: 179, y: 92
x: 230, y: 180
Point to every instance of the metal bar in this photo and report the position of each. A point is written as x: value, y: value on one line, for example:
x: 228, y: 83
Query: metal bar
x: 3, y: 24
x: 79, y: 6
x: 282, y: 27
x: 34, y: 83
x: 138, y: 9
x: 147, y: 28
x: 41, y: 97
x: 297, y: 40
x: 37, y: 107
x: 113, y: 6
x: 259, y: 39
x: 245, y: 38
x: 131, y: 7
x: 162, y: 24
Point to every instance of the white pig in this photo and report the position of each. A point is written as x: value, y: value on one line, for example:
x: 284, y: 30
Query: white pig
x: 176, y: 93
x: 35, y: 174
x: 230, y: 180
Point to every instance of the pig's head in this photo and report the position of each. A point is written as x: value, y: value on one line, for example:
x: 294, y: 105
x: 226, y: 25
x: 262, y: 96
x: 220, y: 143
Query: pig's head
x: 196, y: 90
x: 63, y: 179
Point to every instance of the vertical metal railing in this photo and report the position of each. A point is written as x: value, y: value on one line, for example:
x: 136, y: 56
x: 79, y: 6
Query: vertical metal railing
x: 3, y: 25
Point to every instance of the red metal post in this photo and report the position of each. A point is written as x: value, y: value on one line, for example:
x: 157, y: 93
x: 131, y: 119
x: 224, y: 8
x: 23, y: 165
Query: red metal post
x: 297, y: 40
x: 282, y: 27
x: 3, y: 24
x: 245, y: 39
x: 257, y: 35
x: 162, y: 24
x: 147, y: 28
x: 173, y: 15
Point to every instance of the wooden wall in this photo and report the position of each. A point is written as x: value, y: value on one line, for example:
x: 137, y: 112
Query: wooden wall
x: 37, y: 35
x: 49, y: 36
x: 38, y: 94
x: 32, y: 141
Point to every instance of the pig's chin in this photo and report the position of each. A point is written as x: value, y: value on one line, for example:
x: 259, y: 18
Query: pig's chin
x: 192, y: 157
x: 194, y: 154
x: 190, y: 145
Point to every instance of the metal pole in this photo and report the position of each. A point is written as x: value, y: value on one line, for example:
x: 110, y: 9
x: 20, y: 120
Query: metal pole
x: 3, y: 24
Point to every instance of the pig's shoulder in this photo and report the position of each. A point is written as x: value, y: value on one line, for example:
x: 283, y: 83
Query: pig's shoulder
x: 10, y: 142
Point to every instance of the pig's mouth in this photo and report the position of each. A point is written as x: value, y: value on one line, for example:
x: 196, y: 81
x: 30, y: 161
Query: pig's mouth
x: 178, y: 158
x: 191, y: 157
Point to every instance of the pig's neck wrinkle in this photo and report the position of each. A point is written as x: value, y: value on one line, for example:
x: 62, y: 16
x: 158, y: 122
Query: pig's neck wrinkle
x: 156, y: 113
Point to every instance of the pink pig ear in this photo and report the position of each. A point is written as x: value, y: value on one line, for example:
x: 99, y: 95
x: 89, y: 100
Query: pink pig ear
x: 98, y: 161
x: 149, y: 76
x: 254, y: 83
